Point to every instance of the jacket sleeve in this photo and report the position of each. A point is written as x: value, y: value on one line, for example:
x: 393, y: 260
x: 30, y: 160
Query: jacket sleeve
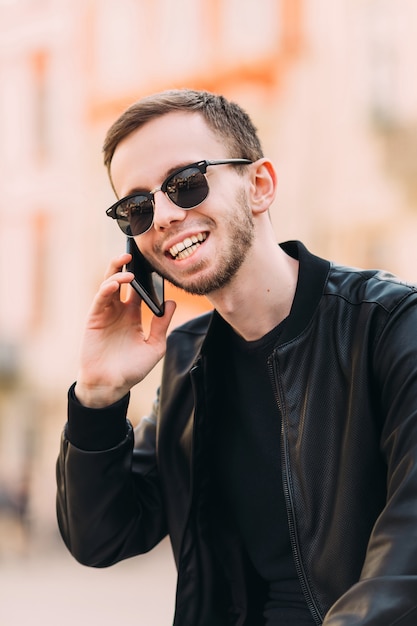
x: 109, y: 504
x: 386, y: 594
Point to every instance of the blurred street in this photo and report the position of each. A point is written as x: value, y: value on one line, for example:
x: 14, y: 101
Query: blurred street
x: 51, y: 589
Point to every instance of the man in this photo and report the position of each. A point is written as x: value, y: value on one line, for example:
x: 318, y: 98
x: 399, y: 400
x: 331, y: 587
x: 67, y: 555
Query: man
x: 281, y: 453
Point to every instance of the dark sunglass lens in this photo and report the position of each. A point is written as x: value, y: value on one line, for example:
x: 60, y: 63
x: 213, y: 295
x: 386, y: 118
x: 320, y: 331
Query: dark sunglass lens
x: 187, y: 188
x: 141, y: 221
x: 135, y: 215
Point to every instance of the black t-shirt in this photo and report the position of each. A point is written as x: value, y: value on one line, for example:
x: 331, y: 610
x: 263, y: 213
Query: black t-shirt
x: 247, y: 464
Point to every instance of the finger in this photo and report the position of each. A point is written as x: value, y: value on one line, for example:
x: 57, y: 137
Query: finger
x: 109, y: 291
x: 159, y: 325
x: 117, y: 263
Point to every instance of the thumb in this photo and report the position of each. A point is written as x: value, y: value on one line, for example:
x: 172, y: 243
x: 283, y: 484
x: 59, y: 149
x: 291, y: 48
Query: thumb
x: 159, y: 325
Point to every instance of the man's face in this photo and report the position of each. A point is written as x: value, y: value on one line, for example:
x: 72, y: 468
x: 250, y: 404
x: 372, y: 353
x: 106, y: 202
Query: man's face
x: 199, y: 249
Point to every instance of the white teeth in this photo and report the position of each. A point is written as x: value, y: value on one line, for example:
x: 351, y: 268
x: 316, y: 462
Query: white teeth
x: 183, y: 249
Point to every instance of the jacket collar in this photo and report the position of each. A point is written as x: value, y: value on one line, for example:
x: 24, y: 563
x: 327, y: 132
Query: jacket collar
x: 312, y: 277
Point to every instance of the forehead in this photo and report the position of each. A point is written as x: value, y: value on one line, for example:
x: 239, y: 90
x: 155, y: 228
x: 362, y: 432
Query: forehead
x: 145, y: 156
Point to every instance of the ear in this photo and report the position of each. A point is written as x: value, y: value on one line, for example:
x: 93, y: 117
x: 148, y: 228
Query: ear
x: 263, y: 185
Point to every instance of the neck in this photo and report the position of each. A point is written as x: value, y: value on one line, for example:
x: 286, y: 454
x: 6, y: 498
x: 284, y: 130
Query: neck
x: 257, y: 301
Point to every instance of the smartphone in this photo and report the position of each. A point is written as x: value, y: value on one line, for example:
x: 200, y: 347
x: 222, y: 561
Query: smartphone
x: 147, y: 283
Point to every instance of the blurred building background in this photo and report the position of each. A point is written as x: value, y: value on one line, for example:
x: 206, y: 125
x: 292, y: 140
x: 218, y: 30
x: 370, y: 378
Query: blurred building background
x: 331, y: 86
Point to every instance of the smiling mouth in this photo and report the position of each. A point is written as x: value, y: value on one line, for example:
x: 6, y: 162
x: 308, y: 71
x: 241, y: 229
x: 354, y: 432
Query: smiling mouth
x: 185, y: 248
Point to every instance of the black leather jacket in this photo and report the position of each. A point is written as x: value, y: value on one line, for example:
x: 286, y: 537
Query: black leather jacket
x: 345, y: 380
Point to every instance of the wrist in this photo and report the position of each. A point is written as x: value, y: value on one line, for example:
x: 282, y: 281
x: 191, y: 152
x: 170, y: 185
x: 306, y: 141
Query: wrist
x: 97, y: 396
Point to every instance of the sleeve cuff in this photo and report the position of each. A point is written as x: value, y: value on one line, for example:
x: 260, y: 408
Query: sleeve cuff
x: 96, y: 429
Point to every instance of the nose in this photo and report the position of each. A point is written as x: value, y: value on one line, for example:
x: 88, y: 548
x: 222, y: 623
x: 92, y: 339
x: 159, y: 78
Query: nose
x: 166, y: 212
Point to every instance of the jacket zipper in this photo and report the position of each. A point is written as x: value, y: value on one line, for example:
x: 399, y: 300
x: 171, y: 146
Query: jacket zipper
x: 285, y: 465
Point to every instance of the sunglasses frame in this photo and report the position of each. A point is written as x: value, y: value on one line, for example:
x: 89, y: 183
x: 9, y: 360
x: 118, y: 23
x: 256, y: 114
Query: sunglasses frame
x: 199, y: 165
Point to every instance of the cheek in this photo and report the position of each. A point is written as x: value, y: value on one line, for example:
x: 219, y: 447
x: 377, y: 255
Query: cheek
x: 143, y: 243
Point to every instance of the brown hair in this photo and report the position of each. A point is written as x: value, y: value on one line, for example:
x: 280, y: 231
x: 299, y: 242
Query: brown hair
x: 225, y: 118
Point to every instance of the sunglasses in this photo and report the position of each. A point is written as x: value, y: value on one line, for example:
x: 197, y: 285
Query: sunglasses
x: 186, y: 187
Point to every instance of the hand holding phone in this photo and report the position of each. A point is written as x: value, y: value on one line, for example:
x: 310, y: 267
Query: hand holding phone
x: 147, y: 283
x: 117, y: 352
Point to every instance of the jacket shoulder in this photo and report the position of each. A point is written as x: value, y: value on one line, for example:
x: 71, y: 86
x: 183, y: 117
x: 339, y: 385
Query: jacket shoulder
x: 359, y: 286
